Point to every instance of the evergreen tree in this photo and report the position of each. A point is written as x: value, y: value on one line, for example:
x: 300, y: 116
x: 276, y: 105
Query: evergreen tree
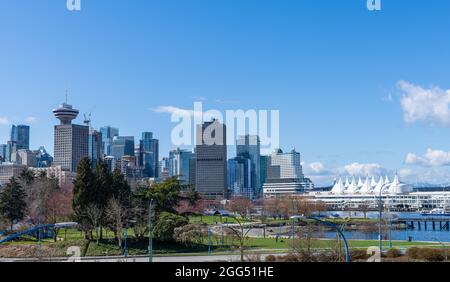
x: 84, y: 192
x: 121, y: 190
x: 12, y: 202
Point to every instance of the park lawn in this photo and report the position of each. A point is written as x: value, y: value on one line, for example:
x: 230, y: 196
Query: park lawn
x: 212, y: 220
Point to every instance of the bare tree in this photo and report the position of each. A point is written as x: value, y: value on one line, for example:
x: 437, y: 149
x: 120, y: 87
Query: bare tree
x: 117, y: 217
x: 94, y: 214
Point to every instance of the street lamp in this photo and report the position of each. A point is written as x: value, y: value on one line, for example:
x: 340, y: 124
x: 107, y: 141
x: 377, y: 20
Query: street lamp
x: 330, y: 224
x: 380, y: 203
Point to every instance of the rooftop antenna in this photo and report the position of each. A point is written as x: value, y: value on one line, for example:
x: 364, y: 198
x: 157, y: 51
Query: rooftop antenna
x: 67, y: 94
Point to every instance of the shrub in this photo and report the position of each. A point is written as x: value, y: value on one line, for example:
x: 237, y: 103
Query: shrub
x: 359, y: 255
x: 164, y: 228
x: 413, y: 252
x: 426, y: 254
x: 393, y: 253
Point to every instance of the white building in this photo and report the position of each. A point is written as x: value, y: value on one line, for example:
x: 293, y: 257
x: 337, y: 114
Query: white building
x: 285, y: 175
x: 64, y: 177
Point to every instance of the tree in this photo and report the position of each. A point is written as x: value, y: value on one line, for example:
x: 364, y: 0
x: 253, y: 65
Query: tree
x: 241, y: 206
x: 168, y: 195
x: 84, y: 192
x: 12, y: 202
x: 117, y: 218
x: 165, y: 226
x: 103, y: 192
x: 191, y: 234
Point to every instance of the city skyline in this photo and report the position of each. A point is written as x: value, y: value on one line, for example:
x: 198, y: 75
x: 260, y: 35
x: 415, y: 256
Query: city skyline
x: 348, y: 109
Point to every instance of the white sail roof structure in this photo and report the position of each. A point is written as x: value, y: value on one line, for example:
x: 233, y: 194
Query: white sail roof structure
x: 347, y: 183
x: 366, y: 188
x: 373, y: 183
x: 370, y: 186
x: 360, y: 183
x: 379, y: 185
x: 352, y: 188
x: 397, y: 187
x: 338, y: 187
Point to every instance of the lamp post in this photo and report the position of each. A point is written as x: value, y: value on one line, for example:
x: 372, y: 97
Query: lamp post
x: 330, y: 224
x: 380, y: 203
x: 209, y: 241
x: 150, y: 231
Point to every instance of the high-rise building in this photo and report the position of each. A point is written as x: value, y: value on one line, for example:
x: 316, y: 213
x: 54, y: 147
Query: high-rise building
x: 26, y: 157
x: 285, y: 175
x: 248, y: 146
x: 164, y: 169
x: 20, y: 134
x: 240, y: 177
x: 122, y: 146
x: 264, y: 162
x: 9, y: 170
x: 43, y: 158
x: 11, y: 150
x: 71, y: 140
x: 211, y: 164
x: 149, y: 148
x: 95, y: 146
x: 179, y: 162
x: 108, y: 133
x: 3, y: 152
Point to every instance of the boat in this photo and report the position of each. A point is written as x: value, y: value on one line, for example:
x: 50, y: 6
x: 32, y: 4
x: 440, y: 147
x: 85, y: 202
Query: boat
x: 436, y: 212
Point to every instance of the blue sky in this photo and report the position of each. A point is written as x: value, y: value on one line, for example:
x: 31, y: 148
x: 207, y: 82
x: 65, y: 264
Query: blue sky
x: 349, y: 83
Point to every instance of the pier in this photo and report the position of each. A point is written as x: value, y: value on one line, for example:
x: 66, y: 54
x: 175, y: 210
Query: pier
x: 426, y: 223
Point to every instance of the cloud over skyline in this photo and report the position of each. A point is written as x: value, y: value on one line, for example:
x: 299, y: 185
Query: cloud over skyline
x: 427, y: 105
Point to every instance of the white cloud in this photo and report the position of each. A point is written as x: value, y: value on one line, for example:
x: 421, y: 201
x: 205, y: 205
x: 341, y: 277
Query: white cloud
x: 358, y: 169
x: 31, y: 119
x: 4, y: 121
x: 432, y: 158
x: 323, y: 176
x: 425, y: 105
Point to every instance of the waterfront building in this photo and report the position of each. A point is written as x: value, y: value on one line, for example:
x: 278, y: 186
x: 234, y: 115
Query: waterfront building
x: 285, y: 175
x: 211, y: 160
x: 71, y: 140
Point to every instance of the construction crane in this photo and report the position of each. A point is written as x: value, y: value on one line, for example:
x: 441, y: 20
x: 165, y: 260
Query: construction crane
x: 87, y: 119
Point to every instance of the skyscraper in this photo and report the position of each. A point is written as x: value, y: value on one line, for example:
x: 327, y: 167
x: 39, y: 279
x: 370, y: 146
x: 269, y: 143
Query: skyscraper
x: 71, y: 140
x: 285, y: 175
x: 20, y: 134
x: 3, y: 152
x: 149, y: 148
x: 248, y: 146
x: 95, y: 146
x: 122, y: 146
x: 108, y: 133
x: 179, y: 164
x: 240, y: 177
x: 211, y: 164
